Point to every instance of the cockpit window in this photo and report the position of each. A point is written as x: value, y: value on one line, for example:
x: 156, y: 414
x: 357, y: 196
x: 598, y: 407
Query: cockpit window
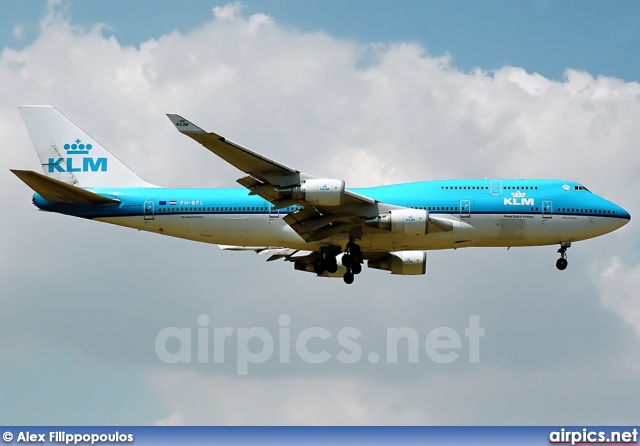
x: 581, y: 188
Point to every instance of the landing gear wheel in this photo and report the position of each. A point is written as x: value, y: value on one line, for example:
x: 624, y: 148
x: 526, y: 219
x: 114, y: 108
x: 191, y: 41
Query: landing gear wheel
x: 561, y: 264
x: 352, y: 259
x: 332, y: 266
x: 348, y: 277
x: 319, y: 266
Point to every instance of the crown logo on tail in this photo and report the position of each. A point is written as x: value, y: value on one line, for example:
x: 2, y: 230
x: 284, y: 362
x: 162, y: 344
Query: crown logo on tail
x: 77, y: 148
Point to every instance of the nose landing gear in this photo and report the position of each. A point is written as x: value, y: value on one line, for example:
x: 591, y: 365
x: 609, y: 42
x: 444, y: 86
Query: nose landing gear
x: 562, y: 262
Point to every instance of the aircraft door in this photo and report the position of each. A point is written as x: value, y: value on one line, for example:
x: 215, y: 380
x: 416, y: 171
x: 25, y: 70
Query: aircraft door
x: 496, y: 187
x: 148, y: 210
x: 547, y: 209
x: 465, y: 208
x: 273, y: 212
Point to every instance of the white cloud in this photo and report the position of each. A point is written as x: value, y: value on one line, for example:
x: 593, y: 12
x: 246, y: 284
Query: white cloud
x: 619, y: 284
x: 293, y: 401
x: 370, y: 114
x: 490, y: 395
x: 230, y: 11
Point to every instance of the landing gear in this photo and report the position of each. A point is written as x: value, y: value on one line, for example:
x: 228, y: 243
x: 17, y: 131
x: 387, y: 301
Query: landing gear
x: 352, y: 260
x: 325, y: 262
x: 318, y: 266
x: 348, y: 278
x: 562, y: 262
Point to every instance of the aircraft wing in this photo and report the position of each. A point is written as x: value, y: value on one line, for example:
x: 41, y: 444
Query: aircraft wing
x: 302, y: 259
x: 274, y: 252
x: 244, y: 159
x: 276, y: 183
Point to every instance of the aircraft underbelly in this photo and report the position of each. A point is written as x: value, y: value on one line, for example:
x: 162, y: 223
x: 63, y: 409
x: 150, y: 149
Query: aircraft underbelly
x: 488, y: 230
x: 234, y: 229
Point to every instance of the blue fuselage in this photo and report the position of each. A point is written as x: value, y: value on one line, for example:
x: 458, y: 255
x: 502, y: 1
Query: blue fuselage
x: 483, y: 213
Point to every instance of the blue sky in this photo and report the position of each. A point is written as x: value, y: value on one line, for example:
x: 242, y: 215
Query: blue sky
x: 371, y: 100
x: 541, y: 36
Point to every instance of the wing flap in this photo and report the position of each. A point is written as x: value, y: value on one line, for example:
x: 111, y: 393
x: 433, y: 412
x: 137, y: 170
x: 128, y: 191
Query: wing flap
x: 59, y: 192
x: 257, y: 187
x: 355, y: 198
x: 274, y: 252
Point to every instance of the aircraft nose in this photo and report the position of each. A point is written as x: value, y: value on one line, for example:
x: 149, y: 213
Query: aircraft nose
x: 624, y: 214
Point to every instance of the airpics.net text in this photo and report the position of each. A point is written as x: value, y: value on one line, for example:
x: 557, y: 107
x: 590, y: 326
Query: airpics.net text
x: 257, y: 345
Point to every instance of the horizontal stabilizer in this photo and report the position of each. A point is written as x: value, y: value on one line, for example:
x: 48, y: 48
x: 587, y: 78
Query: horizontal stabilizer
x: 59, y: 192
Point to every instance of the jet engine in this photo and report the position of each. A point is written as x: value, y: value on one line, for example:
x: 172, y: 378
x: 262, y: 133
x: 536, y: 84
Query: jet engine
x: 405, y: 263
x: 319, y: 192
x: 402, y: 221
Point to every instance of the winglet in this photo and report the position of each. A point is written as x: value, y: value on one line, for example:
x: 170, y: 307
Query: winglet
x: 183, y: 125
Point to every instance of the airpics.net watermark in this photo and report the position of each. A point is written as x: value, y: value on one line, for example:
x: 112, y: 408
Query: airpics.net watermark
x: 257, y: 345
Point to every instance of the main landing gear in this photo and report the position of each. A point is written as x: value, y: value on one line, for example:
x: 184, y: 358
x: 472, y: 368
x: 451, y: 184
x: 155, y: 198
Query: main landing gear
x: 562, y: 263
x: 326, y: 262
x: 352, y: 260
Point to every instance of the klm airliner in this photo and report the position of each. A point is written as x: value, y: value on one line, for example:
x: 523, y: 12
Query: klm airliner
x: 317, y: 223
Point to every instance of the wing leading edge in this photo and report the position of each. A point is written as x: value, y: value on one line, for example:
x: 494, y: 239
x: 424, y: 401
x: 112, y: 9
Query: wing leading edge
x: 281, y: 186
x: 244, y: 159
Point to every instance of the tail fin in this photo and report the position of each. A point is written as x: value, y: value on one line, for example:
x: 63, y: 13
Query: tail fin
x: 69, y: 155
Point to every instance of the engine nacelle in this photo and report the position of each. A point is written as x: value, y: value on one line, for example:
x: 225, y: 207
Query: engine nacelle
x: 405, y: 263
x: 402, y: 221
x: 319, y: 192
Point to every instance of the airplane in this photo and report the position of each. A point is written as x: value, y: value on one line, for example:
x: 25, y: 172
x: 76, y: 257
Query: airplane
x: 317, y: 223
